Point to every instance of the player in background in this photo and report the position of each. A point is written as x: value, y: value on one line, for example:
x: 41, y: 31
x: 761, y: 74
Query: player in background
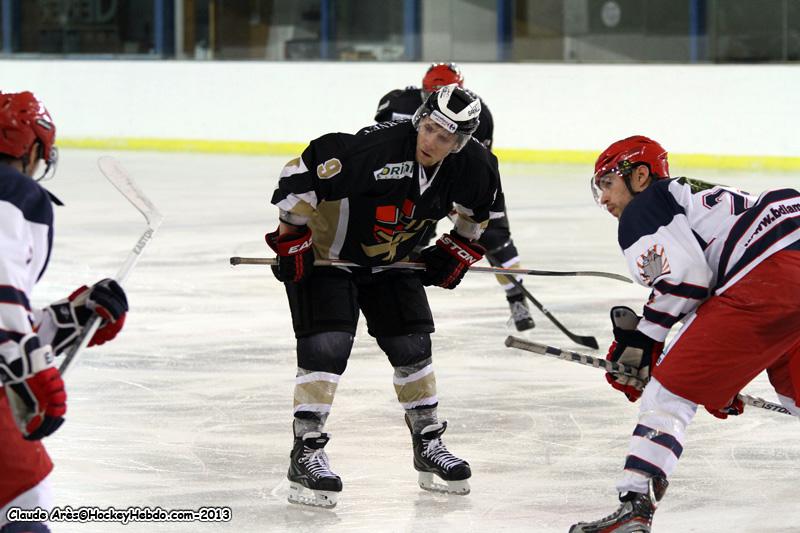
x: 369, y: 198
x: 32, y: 396
x: 727, y: 264
x: 401, y: 104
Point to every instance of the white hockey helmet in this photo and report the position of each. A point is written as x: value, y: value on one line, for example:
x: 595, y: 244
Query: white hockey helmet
x: 454, y: 109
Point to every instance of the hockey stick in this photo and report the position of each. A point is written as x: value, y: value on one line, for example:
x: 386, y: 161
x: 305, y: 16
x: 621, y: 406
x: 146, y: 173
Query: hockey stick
x: 617, y: 368
x: 120, y: 179
x: 419, y: 266
x: 588, y: 341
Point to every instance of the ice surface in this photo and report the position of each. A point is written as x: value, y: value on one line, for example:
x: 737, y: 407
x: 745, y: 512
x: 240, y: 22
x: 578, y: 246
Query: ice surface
x: 191, y: 405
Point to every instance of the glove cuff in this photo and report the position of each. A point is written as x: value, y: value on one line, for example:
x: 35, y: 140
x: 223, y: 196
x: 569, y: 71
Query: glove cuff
x: 33, y: 358
x: 290, y: 243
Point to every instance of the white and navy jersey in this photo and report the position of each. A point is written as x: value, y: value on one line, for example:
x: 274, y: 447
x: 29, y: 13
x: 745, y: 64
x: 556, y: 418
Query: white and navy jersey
x: 401, y: 104
x: 367, y: 200
x: 26, y: 237
x: 688, y: 240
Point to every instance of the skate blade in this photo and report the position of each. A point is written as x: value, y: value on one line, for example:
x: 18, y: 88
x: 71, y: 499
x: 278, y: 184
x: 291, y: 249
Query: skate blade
x: 428, y: 481
x: 315, y: 498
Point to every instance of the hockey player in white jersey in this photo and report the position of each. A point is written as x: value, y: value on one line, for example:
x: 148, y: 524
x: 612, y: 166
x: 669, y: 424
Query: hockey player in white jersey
x: 724, y: 262
x: 32, y: 396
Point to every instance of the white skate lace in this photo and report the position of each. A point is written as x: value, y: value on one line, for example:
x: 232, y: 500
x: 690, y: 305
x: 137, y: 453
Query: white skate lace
x: 317, y: 462
x: 439, y: 454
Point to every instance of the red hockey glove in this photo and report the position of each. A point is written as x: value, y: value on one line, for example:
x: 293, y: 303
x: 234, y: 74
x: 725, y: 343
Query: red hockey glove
x: 735, y: 408
x: 34, y: 389
x: 295, y: 254
x: 70, y: 315
x: 448, y: 260
x: 633, y: 348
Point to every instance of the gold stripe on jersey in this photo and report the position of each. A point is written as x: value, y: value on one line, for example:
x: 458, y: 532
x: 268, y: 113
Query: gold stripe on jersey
x: 302, y: 208
x: 295, y: 166
x: 323, y: 225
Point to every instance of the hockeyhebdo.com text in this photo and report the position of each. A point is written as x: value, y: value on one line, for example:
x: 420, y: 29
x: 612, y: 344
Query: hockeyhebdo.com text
x: 120, y: 516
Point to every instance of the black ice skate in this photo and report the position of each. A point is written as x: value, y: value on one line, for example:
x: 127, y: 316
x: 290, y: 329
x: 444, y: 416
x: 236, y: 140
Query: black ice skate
x: 311, y: 481
x: 520, y: 313
x: 432, y: 457
x: 635, y: 515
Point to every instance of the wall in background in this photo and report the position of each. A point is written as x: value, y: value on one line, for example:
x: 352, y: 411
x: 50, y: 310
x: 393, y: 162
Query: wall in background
x: 737, y: 115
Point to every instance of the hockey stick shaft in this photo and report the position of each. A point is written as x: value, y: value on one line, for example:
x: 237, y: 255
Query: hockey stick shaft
x: 574, y: 357
x: 616, y: 368
x: 419, y: 266
x: 587, y: 340
x: 125, y: 185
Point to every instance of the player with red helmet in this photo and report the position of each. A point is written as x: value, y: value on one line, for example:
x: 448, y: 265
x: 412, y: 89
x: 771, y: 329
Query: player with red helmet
x: 439, y: 75
x: 401, y: 104
x: 726, y: 264
x: 32, y: 395
x: 27, y: 124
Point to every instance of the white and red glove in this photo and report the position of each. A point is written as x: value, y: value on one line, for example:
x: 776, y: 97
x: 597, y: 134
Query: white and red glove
x: 70, y: 315
x: 34, y: 389
x: 295, y: 254
x: 633, y: 348
x: 447, y: 261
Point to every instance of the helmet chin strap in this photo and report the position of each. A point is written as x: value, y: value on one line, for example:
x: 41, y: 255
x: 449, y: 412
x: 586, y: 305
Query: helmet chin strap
x: 25, y: 159
x: 627, y: 179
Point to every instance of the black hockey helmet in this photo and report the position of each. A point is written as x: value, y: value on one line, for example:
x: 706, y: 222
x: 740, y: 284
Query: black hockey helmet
x: 454, y: 109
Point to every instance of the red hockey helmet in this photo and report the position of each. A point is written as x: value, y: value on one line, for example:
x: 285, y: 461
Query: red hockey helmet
x: 24, y: 121
x: 625, y: 155
x: 439, y: 75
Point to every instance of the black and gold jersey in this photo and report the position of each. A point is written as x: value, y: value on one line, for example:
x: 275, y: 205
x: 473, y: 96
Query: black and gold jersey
x: 401, y: 104
x: 367, y: 200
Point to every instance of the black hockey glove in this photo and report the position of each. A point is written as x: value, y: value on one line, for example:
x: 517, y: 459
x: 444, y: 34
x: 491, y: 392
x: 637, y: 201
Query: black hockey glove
x: 448, y: 260
x: 295, y: 254
x: 633, y: 348
x: 70, y: 315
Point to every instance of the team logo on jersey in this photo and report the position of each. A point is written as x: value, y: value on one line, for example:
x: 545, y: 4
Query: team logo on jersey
x: 393, y: 227
x: 653, y: 264
x: 395, y: 171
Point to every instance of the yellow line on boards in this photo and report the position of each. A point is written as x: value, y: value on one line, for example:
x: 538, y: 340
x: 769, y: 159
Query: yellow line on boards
x: 184, y: 145
x: 506, y: 155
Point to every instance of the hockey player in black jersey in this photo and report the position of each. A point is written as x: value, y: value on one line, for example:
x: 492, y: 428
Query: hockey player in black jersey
x: 369, y: 198
x: 401, y: 104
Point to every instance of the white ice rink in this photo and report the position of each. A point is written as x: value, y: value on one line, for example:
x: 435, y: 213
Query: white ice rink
x: 191, y: 406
